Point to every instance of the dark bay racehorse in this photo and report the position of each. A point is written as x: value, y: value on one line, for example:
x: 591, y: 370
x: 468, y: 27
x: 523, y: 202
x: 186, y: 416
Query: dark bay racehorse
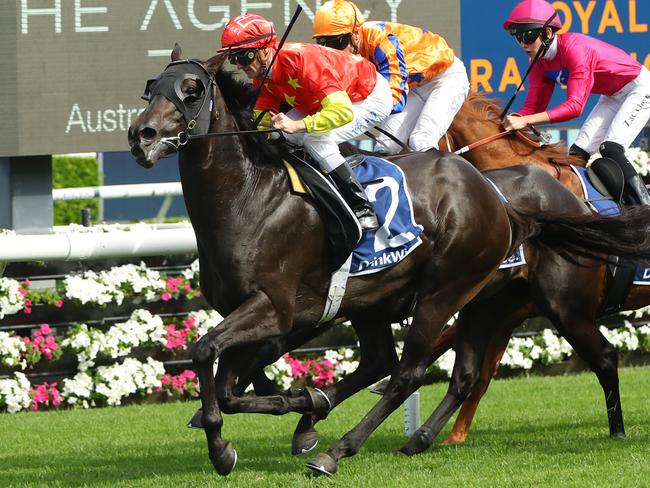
x: 264, y: 263
x: 571, y: 297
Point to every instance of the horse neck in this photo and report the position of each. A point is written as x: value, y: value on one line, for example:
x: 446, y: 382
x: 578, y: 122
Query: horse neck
x: 468, y: 128
x: 220, y: 182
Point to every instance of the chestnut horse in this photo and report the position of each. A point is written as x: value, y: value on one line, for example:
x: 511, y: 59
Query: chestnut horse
x: 264, y: 264
x: 573, y: 304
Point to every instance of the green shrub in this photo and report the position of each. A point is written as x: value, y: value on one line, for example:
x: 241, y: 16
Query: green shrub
x: 69, y: 172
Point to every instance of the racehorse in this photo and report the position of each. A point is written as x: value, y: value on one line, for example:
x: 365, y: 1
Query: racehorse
x: 247, y: 224
x: 477, y: 120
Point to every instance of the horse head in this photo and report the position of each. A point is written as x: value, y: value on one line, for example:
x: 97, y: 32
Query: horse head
x: 181, y: 103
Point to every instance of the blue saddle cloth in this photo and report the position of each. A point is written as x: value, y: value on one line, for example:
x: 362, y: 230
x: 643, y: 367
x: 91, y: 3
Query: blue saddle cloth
x: 606, y: 206
x: 398, y: 235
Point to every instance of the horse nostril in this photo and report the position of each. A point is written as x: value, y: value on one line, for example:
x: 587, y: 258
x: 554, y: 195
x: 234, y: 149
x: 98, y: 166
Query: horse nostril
x: 147, y: 133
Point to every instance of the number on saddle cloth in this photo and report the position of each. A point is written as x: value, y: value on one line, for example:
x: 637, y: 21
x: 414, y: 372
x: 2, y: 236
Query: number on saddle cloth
x: 385, y: 187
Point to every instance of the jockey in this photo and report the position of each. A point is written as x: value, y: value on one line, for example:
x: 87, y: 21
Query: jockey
x: 428, y: 83
x: 585, y: 65
x: 335, y: 97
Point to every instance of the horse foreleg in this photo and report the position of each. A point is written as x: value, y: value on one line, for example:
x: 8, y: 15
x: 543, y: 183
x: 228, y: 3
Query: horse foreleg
x: 255, y: 320
x: 377, y: 359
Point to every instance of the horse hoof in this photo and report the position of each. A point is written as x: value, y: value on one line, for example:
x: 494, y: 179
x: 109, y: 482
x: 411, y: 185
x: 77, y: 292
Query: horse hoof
x: 618, y: 435
x: 323, y: 464
x: 195, y: 421
x: 320, y: 404
x: 419, y: 441
x: 225, y: 461
x: 304, y: 442
x: 453, y: 440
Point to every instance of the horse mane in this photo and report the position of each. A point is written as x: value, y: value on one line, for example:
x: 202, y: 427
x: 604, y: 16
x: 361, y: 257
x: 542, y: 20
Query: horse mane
x: 239, y: 97
x: 482, y: 107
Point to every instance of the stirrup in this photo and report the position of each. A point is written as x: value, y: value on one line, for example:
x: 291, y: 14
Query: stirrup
x: 367, y: 219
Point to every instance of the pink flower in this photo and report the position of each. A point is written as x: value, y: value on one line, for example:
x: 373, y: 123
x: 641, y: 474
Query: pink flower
x: 165, y: 297
x: 59, y: 303
x: 46, y: 329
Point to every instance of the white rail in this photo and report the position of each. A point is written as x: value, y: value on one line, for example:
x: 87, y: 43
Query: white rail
x: 81, y: 246
x: 118, y: 191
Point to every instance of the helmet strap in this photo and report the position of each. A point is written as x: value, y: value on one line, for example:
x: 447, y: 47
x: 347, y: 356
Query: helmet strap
x: 355, y: 40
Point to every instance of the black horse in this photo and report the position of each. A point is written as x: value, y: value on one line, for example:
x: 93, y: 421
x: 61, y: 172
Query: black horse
x: 265, y: 265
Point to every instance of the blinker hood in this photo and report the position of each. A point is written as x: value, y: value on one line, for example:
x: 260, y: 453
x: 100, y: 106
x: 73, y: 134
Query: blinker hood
x: 169, y: 84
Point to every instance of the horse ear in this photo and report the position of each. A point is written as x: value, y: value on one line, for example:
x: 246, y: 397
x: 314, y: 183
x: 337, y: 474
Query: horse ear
x: 215, y: 62
x: 177, y: 52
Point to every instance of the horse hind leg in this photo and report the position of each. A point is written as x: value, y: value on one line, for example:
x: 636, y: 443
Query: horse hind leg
x: 567, y: 296
x: 500, y: 325
x: 377, y: 359
x: 434, y: 310
x: 471, y: 342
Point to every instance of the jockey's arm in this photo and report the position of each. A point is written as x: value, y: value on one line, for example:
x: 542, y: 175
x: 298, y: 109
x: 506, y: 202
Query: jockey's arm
x: 336, y: 111
x: 393, y: 68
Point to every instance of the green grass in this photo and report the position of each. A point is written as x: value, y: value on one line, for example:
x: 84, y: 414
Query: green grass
x: 538, y: 431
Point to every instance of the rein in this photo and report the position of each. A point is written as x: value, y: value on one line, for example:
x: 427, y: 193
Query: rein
x: 500, y: 135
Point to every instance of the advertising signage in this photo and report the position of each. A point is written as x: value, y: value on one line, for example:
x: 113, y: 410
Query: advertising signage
x: 73, y: 70
x: 496, y: 63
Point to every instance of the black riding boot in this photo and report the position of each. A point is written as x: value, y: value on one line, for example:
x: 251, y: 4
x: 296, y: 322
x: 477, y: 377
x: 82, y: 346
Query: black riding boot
x: 352, y: 192
x: 635, y: 191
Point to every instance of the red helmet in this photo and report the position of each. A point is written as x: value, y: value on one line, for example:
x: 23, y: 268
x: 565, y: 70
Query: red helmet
x: 530, y: 14
x: 248, y: 31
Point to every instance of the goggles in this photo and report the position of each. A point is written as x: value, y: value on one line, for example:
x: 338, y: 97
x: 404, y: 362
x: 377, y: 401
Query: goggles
x: 242, y: 57
x: 527, y: 37
x: 335, y: 42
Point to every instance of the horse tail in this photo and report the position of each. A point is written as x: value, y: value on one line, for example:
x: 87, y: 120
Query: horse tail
x: 589, y: 235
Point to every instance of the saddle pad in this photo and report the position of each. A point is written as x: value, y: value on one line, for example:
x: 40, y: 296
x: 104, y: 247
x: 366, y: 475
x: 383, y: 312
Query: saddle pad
x: 594, y: 199
x: 398, y: 235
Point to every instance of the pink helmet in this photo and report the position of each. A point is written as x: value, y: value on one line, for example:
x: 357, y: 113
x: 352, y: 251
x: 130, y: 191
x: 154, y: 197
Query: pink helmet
x: 530, y: 14
x: 248, y: 31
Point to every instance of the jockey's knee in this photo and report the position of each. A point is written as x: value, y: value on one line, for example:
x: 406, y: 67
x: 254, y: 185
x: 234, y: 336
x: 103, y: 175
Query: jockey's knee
x: 423, y: 142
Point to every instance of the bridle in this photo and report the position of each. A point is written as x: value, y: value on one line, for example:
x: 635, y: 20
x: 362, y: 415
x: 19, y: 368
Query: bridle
x: 198, y: 123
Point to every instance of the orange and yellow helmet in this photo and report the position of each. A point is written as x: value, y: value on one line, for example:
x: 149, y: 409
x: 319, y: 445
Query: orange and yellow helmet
x: 336, y: 17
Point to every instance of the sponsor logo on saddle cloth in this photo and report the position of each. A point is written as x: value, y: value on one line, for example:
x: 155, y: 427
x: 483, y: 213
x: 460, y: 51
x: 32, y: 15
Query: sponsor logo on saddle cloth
x: 399, y: 234
x: 606, y: 206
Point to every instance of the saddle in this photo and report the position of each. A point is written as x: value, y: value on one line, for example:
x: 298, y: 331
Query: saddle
x: 341, y: 228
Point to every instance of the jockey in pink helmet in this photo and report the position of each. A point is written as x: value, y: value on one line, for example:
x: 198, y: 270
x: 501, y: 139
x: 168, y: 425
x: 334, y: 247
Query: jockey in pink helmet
x: 585, y: 65
x: 335, y: 97
x: 428, y: 82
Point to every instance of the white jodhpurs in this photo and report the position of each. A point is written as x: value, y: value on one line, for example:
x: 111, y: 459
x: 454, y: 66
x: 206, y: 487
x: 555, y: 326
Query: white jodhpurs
x: 323, y: 146
x: 617, y: 118
x: 430, y: 108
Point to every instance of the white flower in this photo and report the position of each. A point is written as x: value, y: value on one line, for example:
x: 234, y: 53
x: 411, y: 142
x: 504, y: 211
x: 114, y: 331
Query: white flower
x: 11, y: 300
x: 78, y: 390
x: 11, y: 348
x: 14, y: 393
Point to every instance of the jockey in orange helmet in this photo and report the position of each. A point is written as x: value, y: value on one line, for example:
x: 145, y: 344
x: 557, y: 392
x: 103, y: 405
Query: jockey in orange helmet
x: 335, y: 97
x: 585, y: 65
x: 428, y: 83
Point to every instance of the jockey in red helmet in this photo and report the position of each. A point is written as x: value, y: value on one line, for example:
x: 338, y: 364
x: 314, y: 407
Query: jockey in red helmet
x: 415, y: 61
x: 335, y: 97
x: 585, y: 65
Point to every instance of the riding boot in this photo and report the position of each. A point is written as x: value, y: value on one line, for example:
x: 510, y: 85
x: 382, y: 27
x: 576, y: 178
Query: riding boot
x: 636, y: 192
x: 352, y: 192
